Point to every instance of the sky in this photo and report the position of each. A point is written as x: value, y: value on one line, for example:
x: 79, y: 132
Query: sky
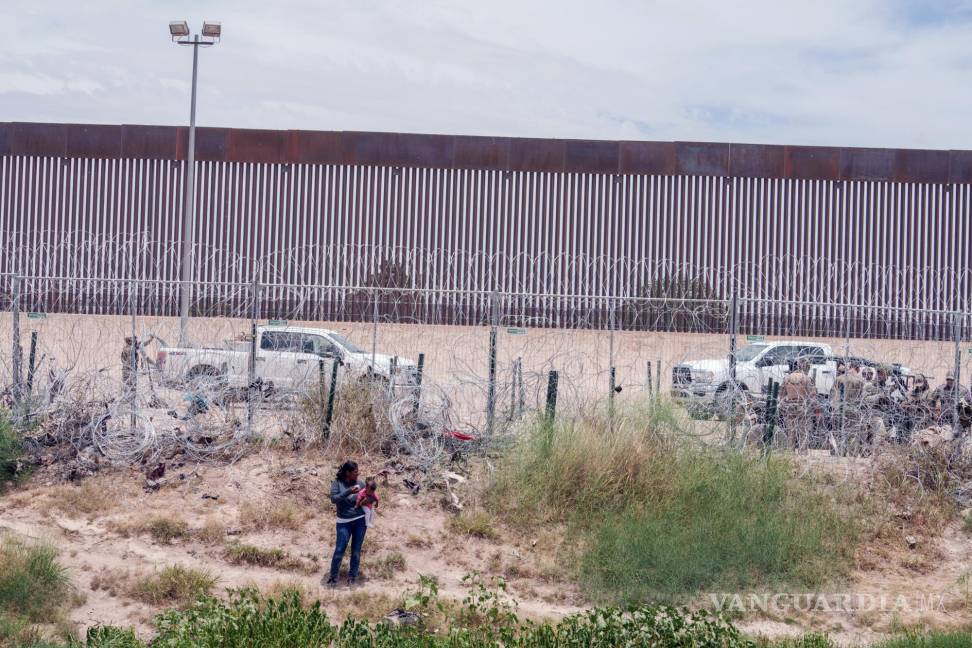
x: 891, y: 73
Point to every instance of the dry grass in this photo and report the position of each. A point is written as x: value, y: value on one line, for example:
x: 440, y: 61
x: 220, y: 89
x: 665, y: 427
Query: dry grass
x: 271, y: 516
x: 173, y: 585
x: 163, y: 529
x: 246, y: 554
x: 356, y: 429
x: 384, y: 568
x: 414, y: 541
x: 212, y: 531
x: 91, y: 497
x: 113, y: 581
x: 478, y: 524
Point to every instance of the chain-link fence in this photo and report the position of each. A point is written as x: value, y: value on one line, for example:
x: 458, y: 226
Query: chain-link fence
x: 102, y: 364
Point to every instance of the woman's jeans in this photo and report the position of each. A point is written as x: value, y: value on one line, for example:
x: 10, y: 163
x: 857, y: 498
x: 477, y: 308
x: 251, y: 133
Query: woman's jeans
x: 355, y: 532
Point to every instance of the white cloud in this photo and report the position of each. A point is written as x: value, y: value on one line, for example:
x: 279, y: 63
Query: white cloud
x: 869, y: 72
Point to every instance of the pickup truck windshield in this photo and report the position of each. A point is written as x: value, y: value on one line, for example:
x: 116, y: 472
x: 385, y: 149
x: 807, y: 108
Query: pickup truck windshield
x: 348, y: 345
x: 747, y: 353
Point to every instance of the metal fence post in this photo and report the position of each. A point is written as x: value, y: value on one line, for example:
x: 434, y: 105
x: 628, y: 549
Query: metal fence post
x: 331, y: 391
x: 611, y: 373
x: 552, y: 380
x: 133, y: 362
x: 16, y: 358
x: 733, y: 388
x: 252, y: 387
x: 648, y: 384
x: 956, y: 422
x: 491, y: 387
x: 31, y: 362
x: 374, y: 334
x: 418, y: 382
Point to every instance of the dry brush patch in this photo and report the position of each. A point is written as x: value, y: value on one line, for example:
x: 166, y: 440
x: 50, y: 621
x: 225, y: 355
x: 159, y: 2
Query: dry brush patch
x: 238, y: 553
x: 172, y: 585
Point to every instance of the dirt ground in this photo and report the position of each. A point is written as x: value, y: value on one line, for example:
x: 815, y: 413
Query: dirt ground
x: 95, y: 526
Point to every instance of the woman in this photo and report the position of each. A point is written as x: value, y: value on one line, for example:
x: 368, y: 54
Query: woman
x: 350, y: 521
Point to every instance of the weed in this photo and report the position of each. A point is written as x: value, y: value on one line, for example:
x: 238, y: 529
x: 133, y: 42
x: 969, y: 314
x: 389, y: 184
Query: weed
x: 272, y: 516
x: 90, y: 497
x: 247, y: 554
x: 478, y: 524
x: 11, y: 451
x: 164, y: 529
x: 33, y: 585
x: 173, y: 585
x: 384, y: 568
x: 212, y: 531
x: 661, y: 516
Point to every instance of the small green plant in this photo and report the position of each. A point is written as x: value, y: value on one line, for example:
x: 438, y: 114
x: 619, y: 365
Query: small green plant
x: 33, y: 585
x: 173, y: 585
x: 247, y: 554
x: 916, y: 639
x: 11, y: 451
x: 165, y: 529
x: 385, y: 567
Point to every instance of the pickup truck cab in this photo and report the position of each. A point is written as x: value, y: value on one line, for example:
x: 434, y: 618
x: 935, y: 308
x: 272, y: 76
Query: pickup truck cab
x: 704, y: 384
x: 287, y: 359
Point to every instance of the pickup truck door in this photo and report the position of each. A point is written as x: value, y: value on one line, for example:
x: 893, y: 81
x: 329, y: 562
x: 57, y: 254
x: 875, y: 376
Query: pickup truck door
x: 822, y: 370
x: 281, y: 360
x: 775, y: 364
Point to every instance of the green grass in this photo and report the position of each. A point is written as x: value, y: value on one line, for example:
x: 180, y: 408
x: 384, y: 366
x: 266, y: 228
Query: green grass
x: 164, y: 529
x: 247, y: 554
x: 661, y: 516
x: 33, y: 585
x: 958, y: 639
x: 173, y: 585
x: 11, y: 450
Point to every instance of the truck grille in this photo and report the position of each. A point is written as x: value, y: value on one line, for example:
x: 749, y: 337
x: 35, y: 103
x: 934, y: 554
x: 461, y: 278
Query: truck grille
x: 681, y: 375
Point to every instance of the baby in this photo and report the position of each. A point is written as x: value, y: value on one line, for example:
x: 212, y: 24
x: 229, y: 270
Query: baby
x: 368, y: 500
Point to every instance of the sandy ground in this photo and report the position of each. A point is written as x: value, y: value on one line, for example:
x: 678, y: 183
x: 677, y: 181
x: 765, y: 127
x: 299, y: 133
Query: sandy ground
x: 928, y: 584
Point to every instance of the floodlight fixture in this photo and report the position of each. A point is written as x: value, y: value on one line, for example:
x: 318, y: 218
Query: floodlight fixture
x: 211, y: 29
x: 178, y: 29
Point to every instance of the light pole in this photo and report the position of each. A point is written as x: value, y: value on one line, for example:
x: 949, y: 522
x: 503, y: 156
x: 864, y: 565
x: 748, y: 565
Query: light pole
x: 179, y: 31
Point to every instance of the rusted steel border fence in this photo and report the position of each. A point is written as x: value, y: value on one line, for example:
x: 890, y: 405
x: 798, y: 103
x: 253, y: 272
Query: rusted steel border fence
x: 796, y: 230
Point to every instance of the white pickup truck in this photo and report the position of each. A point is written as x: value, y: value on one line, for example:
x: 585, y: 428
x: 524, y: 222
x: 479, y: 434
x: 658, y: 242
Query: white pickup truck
x: 704, y: 384
x: 287, y: 360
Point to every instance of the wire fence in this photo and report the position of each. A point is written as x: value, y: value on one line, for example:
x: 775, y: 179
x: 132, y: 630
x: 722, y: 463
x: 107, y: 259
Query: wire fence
x: 98, y: 361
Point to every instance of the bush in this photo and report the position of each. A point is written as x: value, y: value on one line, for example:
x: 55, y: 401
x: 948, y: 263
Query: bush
x: 173, y: 585
x: 478, y: 524
x: 959, y: 639
x: 164, y: 530
x: 11, y: 450
x: 33, y: 585
x: 662, y: 515
x: 247, y: 554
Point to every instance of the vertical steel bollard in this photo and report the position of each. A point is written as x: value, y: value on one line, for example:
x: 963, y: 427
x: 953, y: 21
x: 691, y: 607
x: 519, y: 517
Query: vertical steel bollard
x: 374, y: 336
x: 392, y: 370
x: 552, y: 379
x: 771, y: 404
x: 513, y: 390
x: 331, y: 390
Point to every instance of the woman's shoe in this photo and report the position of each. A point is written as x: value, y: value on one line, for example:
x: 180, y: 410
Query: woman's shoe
x: 327, y: 581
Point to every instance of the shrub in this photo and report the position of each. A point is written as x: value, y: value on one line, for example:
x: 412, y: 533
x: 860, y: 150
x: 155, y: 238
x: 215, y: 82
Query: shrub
x: 89, y: 497
x: 164, y: 529
x: 212, y: 531
x: 662, y: 515
x: 11, y: 450
x: 246, y: 554
x: 385, y: 567
x: 957, y: 639
x: 478, y: 524
x: 33, y: 585
x: 173, y: 585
